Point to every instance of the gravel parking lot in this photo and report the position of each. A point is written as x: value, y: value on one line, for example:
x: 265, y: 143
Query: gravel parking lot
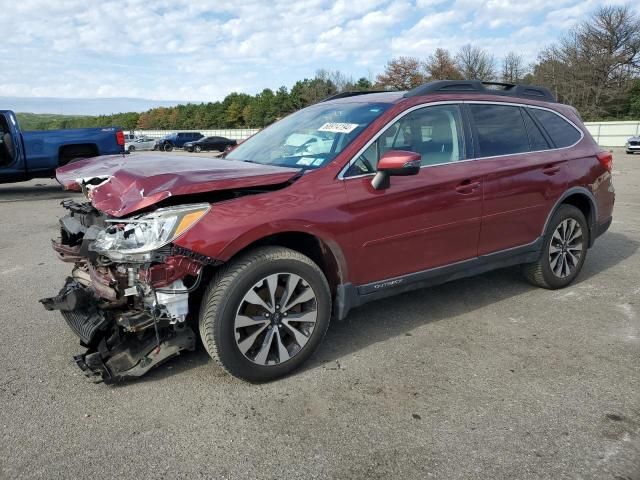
x: 485, y: 377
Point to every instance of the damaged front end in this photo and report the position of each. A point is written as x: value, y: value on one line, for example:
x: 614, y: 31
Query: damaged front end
x: 127, y: 298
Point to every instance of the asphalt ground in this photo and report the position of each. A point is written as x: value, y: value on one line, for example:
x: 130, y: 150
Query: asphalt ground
x: 486, y: 377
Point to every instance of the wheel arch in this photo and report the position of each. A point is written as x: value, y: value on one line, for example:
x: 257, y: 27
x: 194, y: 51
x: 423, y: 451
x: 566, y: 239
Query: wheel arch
x: 326, y: 254
x: 71, y: 151
x: 582, y: 199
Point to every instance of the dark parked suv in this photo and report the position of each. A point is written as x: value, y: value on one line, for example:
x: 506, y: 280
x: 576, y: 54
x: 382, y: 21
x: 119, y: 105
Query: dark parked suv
x: 176, y: 140
x: 356, y: 198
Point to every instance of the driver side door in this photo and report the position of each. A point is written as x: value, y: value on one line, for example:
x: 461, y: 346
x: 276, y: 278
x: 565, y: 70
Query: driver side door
x: 423, y: 221
x: 11, y: 154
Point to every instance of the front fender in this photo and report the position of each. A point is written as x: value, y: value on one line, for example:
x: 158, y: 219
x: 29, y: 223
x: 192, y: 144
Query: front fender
x: 264, y: 231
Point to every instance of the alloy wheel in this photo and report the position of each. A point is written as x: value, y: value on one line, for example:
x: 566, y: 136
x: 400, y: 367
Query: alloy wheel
x: 566, y: 247
x: 275, y: 319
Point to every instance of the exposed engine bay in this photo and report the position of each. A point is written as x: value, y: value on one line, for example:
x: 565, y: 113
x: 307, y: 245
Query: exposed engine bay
x: 127, y: 298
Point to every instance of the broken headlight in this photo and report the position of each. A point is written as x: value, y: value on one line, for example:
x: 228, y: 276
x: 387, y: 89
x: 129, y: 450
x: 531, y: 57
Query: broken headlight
x: 135, y: 238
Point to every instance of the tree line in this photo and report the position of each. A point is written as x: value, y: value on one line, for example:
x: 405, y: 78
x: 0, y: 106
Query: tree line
x: 595, y: 67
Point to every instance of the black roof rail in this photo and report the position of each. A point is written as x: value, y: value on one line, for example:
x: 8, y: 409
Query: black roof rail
x: 484, y: 88
x: 352, y: 94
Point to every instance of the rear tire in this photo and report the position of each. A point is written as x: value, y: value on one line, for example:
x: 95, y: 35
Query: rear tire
x: 564, y: 250
x: 132, y: 149
x: 285, y: 294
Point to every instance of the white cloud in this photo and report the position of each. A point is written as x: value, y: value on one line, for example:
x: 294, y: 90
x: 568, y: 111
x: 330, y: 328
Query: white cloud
x: 186, y: 50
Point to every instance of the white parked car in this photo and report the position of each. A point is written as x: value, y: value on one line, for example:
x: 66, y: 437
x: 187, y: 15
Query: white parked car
x: 633, y: 144
x: 141, y: 143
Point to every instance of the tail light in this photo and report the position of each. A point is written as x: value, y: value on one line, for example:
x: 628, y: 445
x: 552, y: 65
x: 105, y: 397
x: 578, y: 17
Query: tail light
x: 120, y: 138
x: 606, y: 159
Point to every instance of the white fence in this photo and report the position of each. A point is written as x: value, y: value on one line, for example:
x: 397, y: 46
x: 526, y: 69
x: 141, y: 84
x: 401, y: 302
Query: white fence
x: 232, y: 133
x: 613, y: 134
x: 607, y: 134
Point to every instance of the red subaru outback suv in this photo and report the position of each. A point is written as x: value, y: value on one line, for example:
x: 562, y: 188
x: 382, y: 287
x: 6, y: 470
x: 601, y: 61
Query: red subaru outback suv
x: 358, y: 197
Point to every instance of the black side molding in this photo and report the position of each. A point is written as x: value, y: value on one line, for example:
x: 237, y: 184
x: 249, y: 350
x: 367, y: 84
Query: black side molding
x: 349, y: 296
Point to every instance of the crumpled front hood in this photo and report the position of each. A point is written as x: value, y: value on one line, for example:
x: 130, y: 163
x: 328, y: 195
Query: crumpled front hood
x: 122, y: 185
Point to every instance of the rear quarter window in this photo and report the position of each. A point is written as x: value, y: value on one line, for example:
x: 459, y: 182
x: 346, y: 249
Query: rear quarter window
x: 536, y: 138
x: 562, y: 133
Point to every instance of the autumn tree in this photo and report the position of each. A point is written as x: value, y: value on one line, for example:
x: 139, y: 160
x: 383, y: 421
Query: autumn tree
x: 440, y: 66
x: 403, y: 73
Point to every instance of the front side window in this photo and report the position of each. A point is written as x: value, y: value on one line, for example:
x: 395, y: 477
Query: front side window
x: 500, y: 128
x: 435, y: 132
x: 309, y: 138
x: 561, y: 132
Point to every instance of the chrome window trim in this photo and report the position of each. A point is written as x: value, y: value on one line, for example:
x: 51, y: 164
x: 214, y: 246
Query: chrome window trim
x: 456, y: 102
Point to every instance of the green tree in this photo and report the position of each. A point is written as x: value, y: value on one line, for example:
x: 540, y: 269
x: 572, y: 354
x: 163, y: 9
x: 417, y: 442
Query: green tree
x: 363, y: 84
x: 634, y: 100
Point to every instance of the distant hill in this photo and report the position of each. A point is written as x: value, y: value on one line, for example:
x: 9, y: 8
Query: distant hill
x: 46, y: 121
x: 81, y: 106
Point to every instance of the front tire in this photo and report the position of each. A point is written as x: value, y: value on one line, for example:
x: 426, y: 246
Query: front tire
x: 264, y: 314
x: 168, y: 147
x: 132, y: 149
x: 563, y: 252
x: 197, y: 149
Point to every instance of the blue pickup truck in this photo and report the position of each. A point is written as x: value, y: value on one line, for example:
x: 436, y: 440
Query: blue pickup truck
x: 37, y: 154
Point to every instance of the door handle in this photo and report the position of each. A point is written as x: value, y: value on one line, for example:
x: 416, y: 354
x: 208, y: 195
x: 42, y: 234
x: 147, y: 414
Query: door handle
x: 551, y: 169
x: 467, y: 186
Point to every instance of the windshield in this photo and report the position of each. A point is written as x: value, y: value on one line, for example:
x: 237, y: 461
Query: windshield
x: 309, y: 138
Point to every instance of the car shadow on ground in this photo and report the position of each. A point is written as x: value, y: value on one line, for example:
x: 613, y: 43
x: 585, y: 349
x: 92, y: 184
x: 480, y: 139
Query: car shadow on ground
x: 176, y: 366
x: 388, y: 318
x: 32, y: 192
x: 396, y: 316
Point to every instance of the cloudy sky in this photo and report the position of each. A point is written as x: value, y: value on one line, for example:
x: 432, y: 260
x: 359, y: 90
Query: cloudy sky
x: 202, y: 50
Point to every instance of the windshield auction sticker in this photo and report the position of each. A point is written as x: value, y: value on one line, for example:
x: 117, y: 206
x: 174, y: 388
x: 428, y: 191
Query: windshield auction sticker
x: 338, y: 127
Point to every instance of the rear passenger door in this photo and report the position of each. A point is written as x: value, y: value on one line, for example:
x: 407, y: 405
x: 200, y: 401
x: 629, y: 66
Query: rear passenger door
x: 524, y: 175
x: 216, y: 143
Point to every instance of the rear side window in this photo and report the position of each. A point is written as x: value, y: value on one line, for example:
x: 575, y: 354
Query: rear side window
x: 536, y: 138
x: 561, y: 132
x: 500, y: 128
